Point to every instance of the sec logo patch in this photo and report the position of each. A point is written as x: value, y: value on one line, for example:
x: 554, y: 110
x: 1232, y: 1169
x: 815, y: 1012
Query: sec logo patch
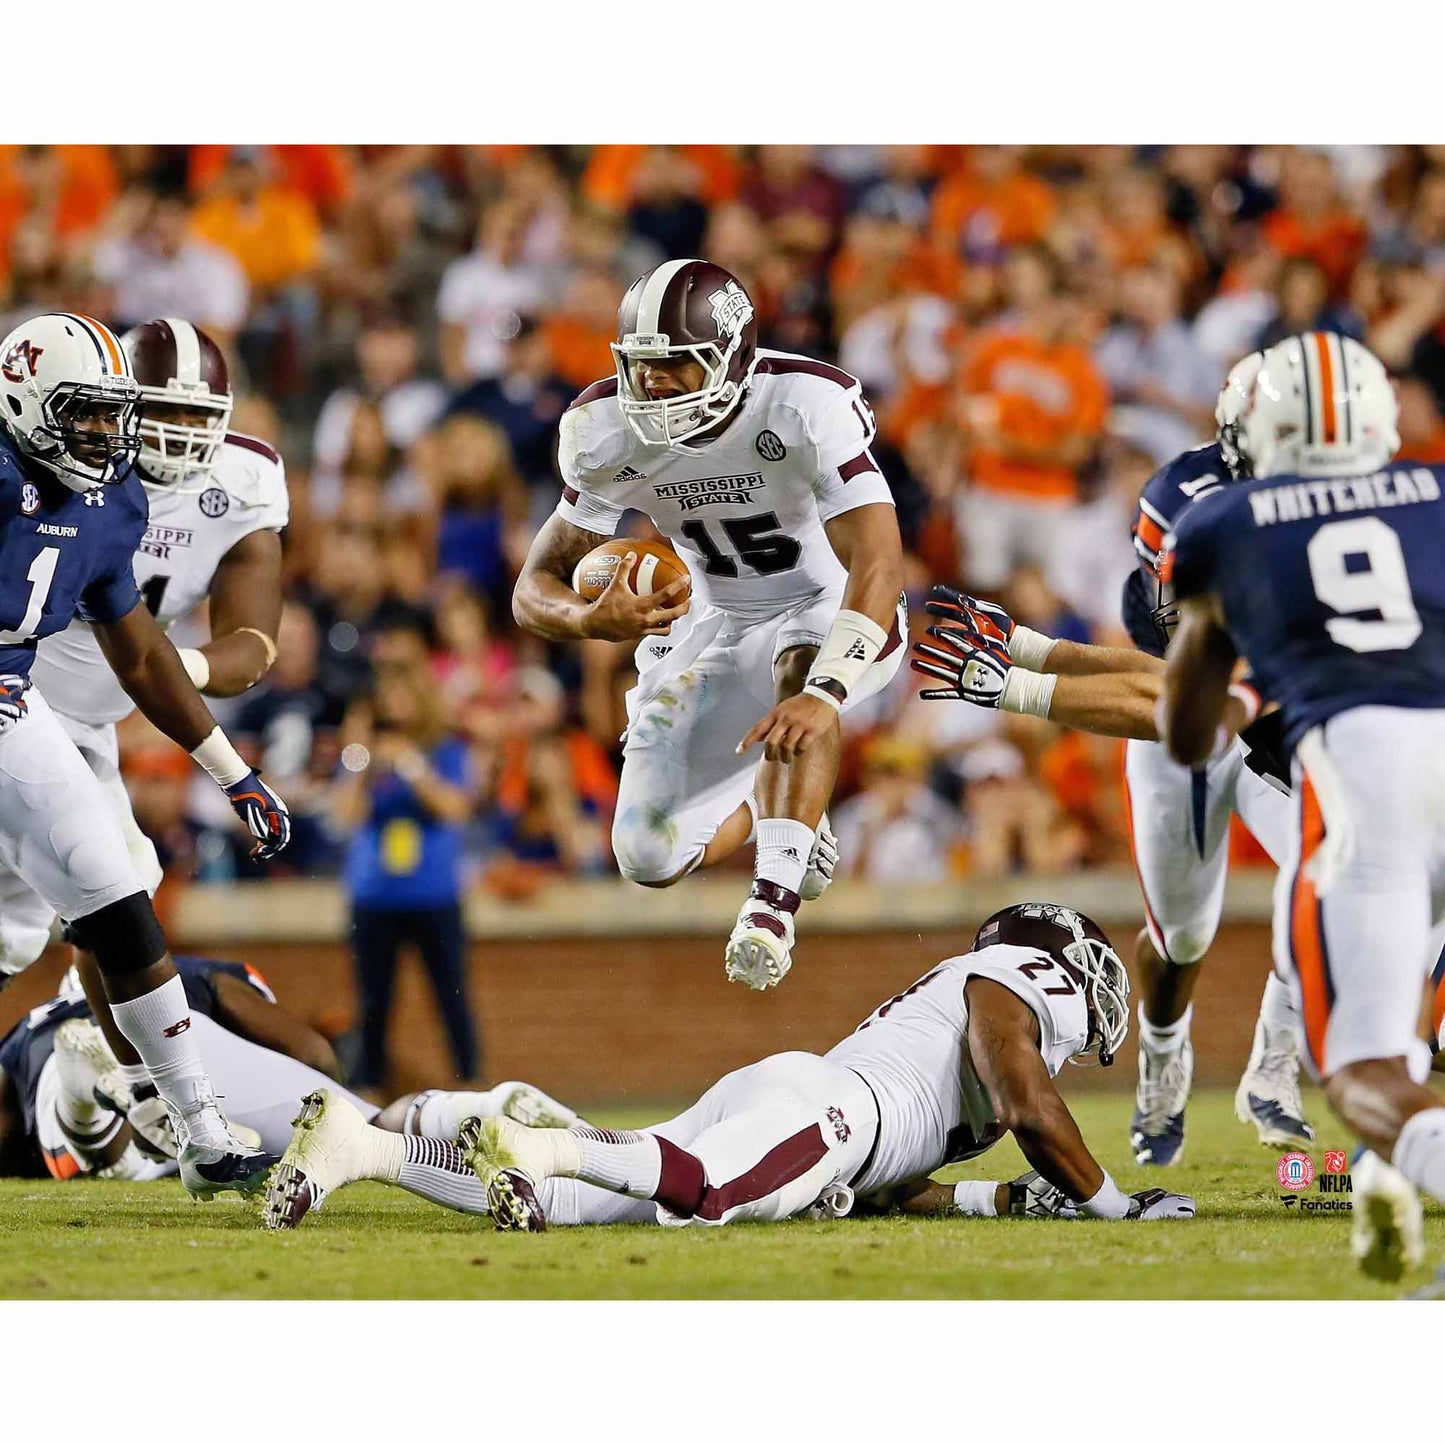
x: 29, y: 498
x: 770, y: 446
x: 215, y: 502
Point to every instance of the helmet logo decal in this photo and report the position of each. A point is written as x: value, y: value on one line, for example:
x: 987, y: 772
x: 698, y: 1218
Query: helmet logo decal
x: 23, y: 351
x: 731, y: 309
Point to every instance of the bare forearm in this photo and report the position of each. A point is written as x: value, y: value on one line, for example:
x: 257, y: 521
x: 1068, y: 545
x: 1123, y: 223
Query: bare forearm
x: 237, y: 661
x: 1052, y: 1144
x: 1115, y: 705
x: 1196, y: 682
x: 155, y: 678
x: 245, y: 615
x: 546, y: 605
x: 1083, y: 659
x: 868, y: 544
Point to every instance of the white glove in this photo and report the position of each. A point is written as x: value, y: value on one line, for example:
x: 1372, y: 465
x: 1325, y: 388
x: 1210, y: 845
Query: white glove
x: 1160, y: 1204
x: 974, y: 667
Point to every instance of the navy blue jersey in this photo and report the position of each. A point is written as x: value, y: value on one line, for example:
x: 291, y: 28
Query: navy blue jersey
x: 1334, y: 589
x: 1191, y: 475
x: 63, y: 554
x: 25, y: 1049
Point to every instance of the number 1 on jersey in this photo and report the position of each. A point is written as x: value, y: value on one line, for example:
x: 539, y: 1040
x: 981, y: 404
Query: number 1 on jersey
x: 40, y: 576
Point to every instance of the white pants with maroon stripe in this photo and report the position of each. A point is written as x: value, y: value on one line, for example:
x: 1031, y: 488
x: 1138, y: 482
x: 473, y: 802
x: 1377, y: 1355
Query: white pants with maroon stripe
x: 1363, y: 885
x: 696, y: 699
x: 1179, y: 821
x: 774, y: 1137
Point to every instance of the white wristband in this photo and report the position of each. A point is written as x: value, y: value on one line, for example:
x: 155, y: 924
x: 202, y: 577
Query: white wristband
x: 848, y: 651
x: 1030, y: 648
x: 1028, y: 692
x: 1249, y: 698
x: 220, y: 759
x: 976, y: 1197
x: 1109, y: 1202
x: 197, y: 666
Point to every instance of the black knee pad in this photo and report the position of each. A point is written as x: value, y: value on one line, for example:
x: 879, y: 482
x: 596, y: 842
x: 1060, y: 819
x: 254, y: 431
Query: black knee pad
x: 125, y: 937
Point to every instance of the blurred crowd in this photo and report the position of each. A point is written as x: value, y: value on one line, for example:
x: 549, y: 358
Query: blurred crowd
x: 1038, y: 329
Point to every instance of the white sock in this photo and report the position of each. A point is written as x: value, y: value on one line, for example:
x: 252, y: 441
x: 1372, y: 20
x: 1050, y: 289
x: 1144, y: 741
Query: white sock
x: 134, y: 1074
x: 436, y: 1170
x: 1171, y: 1037
x: 751, y: 803
x: 1279, y: 1009
x: 619, y: 1159
x: 783, y: 848
x: 438, y: 1113
x: 1420, y: 1151
x: 157, y: 1026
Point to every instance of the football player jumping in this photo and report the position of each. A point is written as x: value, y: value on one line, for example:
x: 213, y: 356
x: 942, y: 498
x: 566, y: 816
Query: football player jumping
x: 72, y: 514
x: 755, y: 466
x: 1179, y: 817
x: 1327, y: 573
x: 217, y: 505
x: 936, y: 1075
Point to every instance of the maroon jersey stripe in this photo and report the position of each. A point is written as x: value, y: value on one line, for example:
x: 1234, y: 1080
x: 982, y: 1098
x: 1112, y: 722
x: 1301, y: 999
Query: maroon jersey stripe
x: 779, y: 1166
x: 790, y: 365
x: 861, y: 463
x: 606, y: 387
x: 253, y: 444
x: 570, y: 495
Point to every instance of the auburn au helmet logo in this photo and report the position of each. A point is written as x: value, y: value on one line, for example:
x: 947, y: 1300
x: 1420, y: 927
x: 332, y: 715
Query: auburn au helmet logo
x: 22, y: 351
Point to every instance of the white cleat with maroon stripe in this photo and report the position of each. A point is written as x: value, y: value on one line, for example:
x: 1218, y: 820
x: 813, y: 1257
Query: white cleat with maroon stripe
x: 760, y: 950
x: 511, y: 1160
x: 821, y: 862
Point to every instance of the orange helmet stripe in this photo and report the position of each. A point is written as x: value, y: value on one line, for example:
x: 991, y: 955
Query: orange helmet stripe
x: 1327, y: 385
x: 106, y: 338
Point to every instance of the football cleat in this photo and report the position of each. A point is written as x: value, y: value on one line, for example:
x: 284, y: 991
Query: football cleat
x: 144, y: 1109
x: 326, y: 1150
x: 505, y: 1156
x: 528, y: 1105
x: 760, y: 950
x: 82, y: 1059
x: 821, y: 862
x: 1388, y: 1233
x: 1268, y: 1095
x: 1156, y: 1132
x: 211, y: 1169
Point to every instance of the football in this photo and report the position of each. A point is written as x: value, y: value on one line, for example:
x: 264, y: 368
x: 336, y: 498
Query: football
x: 656, y: 566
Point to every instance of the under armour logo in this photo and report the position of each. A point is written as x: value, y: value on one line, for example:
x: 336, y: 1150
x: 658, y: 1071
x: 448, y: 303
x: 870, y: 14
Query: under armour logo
x: 177, y: 1029
x: 94, y: 497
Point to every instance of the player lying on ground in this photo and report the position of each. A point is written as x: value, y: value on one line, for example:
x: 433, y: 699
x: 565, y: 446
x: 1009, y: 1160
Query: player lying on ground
x: 755, y: 466
x: 936, y: 1075
x: 1179, y: 817
x: 1327, y: 573
x: 66, y: 1112
x: 72, y: 513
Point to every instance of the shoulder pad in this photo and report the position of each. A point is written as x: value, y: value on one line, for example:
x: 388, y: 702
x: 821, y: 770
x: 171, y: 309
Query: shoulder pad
x: 251, y: 471
x: 593, y: 438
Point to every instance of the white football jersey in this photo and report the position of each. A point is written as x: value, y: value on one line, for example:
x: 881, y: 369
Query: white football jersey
x: 745, y: 510
x: 188, y: 534
x: 913, y: 1053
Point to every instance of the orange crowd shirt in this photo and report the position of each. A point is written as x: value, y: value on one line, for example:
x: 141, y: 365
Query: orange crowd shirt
x: 1334, y: 244
x: 1018, y: 209
x: 607, y: 180
x: 1044, y: 393
x: 276, y: 240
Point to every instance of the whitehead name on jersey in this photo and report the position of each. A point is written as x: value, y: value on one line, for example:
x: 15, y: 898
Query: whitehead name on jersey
x: 63, y: 554
x: 189, y: 532
x: 1333, y: 588
x: 1188, y: 477
x: 913, y: 1053
x: 746, y: 509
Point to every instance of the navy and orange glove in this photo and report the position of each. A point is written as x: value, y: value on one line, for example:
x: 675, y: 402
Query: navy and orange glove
x: 976, y: 613
x: 973, y: 665
x: 12, y: 698
x: 264, y: 814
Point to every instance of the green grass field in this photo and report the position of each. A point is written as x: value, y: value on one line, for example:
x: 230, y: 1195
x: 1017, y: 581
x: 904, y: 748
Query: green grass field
x: 96, y: 1239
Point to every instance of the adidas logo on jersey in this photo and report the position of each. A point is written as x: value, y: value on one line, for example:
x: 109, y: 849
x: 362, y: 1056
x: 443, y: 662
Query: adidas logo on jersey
x: 856, y: 651
x: 630, y: 474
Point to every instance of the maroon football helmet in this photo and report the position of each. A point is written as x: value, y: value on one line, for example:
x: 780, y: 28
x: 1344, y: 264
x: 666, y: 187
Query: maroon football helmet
x: 1082, y: 949
x: 686, y: 311
x: 186, y: 402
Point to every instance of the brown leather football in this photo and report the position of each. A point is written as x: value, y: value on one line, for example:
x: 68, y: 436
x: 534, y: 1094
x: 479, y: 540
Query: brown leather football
x: 656, y: 566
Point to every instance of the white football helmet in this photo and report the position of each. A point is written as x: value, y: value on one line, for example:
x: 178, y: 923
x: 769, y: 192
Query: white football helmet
x: 1233, y: 398
x: 1322, y: 406
x: 68, y: 397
